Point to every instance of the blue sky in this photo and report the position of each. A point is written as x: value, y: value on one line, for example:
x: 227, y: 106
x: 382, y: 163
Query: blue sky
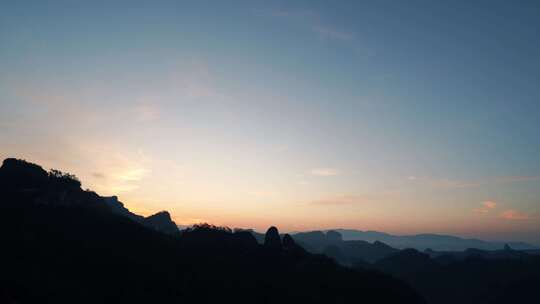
x: 416, y: 116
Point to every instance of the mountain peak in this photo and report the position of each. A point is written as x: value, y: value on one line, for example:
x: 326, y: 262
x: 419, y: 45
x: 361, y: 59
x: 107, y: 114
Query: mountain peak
x: 272, y: 238
x: 161, y: 215
x: 162, y: 221
x: 333, y: 236
x: 20, y: 174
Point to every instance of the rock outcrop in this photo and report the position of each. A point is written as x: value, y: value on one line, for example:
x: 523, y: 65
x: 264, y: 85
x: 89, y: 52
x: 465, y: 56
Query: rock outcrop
x: 161, y: 222
x: 272, y: 238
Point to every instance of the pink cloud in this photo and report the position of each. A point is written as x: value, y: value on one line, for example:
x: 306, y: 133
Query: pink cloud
x: 513, y: 215
x: 486, y: 207
x: 489, y: 204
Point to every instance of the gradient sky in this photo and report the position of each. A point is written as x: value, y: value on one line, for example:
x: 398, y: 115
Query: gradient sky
x: 399, y: 116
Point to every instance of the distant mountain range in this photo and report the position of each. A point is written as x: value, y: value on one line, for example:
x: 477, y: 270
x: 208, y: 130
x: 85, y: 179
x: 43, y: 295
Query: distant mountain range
x: 429, y: 241
x: 438, y: 242
x: 345, y: 252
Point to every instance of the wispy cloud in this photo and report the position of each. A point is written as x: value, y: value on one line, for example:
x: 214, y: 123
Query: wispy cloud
x: 314, y: 22
x: 508, y: 214
x: 329, y: 32
x: 303, y: 182
x: 340, y: 200
x: 132, y: 175
x: 514, y: 215
x: 146, y: 112
x: 264, y: 194
x: 289, y: 13
x: 489, y: 204
x: 117, y: 171
x: 486, y: 206
x: 511, y: 179
x: 98, y: 175
x: 456, y: 184
x: 128, y: 180
x: 324, y: 172
x: 195, y: 81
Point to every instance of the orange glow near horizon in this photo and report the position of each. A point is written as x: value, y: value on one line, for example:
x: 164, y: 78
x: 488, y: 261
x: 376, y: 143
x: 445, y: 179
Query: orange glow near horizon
x: 303, y: 119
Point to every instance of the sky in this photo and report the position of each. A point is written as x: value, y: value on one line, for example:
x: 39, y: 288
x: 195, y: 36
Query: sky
x: 398, y: 116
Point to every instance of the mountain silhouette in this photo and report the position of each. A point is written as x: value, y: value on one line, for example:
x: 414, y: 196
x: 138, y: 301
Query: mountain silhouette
x: 425, y: 241
x: 332, y: 244
x: 62, y: 244
x: 160, y: 221
x: 272, y: 240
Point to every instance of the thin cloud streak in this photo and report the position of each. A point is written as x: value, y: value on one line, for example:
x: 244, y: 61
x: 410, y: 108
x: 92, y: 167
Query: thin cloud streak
x: 509, y: 214
x: 146, y: 112
x: 340, y: 200
x: 327, y: 32
x: 514, y: 215
x: 132, y: 175
x: 98, y: 175
x: 486, y: 207
x: 511, y: 179
x: 324, y: 172
x: 314, y: 23
x: 456, y: 184
x: 289, y: 13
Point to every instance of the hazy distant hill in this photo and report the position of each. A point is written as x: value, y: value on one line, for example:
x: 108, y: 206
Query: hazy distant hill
x: 346, y: 252
x: 432, y: 241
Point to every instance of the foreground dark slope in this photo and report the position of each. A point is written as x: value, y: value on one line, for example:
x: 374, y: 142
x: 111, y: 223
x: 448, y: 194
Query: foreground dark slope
x: 480, y: 277
x: 64, y: 245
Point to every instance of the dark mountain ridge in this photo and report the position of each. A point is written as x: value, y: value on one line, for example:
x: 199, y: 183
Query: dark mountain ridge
x: 56, y: 188
x: 160, y: 221
x: 61, y: 244
x: 356, y: 252
x: 476, y: 276
x: 332, y: 244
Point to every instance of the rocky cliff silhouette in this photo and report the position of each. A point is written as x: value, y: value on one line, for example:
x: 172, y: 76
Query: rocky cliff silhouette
x: 56, y: 188
x: 160, y: 221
